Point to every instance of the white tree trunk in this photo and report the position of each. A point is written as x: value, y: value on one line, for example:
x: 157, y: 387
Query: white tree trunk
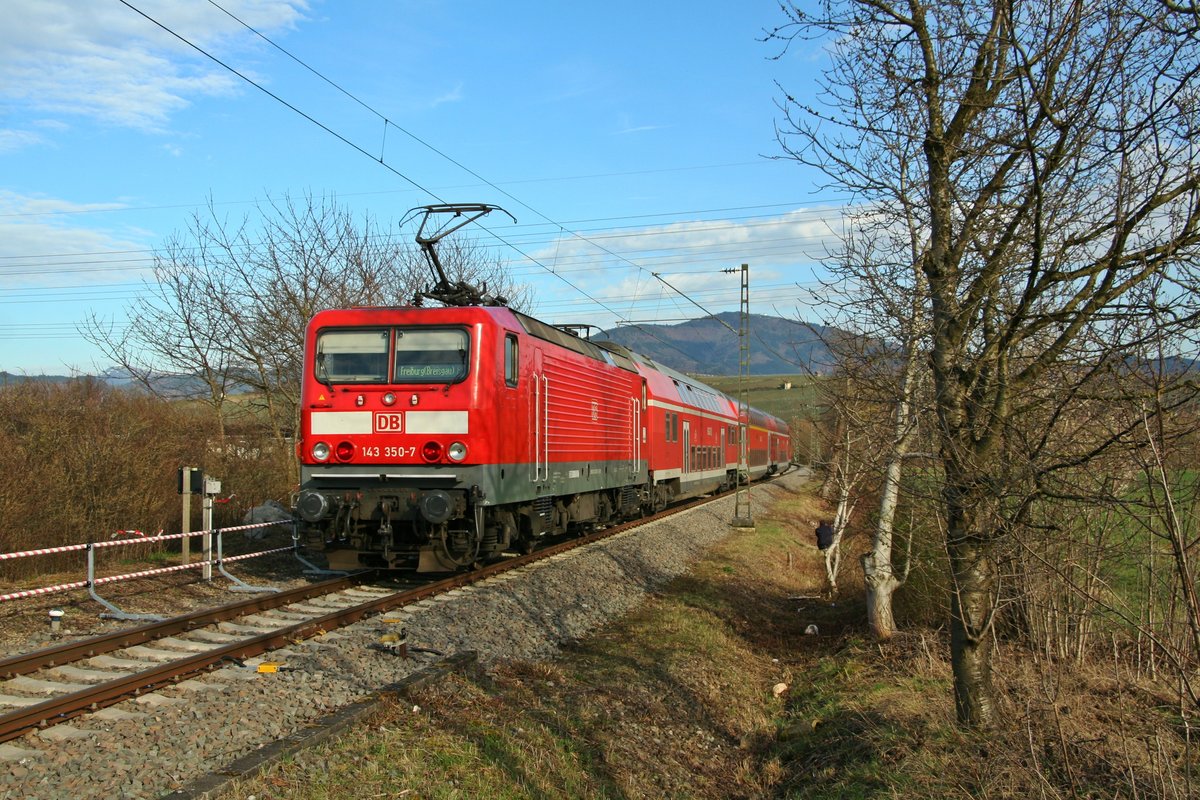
x: 879, y: 576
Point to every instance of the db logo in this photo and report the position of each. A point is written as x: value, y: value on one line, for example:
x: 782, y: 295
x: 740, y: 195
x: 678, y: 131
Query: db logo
x: 389, y: 422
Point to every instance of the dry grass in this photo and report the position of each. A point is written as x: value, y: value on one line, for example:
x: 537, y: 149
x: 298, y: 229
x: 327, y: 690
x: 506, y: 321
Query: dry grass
x: 676, y: 700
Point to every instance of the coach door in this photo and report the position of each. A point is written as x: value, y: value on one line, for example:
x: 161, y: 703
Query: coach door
x: 635, y: 432
x: 687, y: 447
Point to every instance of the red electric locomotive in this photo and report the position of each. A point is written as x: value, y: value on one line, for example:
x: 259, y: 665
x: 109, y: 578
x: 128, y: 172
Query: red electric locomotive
x: 434, y: 438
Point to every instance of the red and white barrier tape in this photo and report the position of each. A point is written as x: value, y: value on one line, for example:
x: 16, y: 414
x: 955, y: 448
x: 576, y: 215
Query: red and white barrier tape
x: 44, y: 590
x: 45, y: 551
x: 72, y: 548
x: 161, y: 537
x: 147, y: 572
x: 244, y: 556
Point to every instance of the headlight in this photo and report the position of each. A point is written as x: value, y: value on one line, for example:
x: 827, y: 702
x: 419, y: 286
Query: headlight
x: 457, y: 451
x: 320, y: 451
x: 344, y: 451
x: 389, y: 399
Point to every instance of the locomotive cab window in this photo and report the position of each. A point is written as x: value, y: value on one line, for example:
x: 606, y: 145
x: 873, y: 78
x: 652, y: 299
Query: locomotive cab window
x: 352, y: 356
x: 430, y: 355
x: 511, y: 360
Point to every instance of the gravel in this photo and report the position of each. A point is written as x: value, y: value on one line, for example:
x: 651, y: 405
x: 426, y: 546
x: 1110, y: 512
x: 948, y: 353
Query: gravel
x: 162, y: 742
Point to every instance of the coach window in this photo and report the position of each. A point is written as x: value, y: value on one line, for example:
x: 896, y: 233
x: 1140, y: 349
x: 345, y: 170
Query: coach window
x: 511, y: 359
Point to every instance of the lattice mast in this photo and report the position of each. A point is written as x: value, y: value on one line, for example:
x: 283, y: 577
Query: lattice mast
x: 742, y: 517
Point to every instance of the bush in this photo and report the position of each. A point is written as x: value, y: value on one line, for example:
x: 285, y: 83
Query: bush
x: 81, y: 460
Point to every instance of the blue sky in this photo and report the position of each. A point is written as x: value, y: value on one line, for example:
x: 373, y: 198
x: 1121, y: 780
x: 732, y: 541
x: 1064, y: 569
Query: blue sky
x: 648, y: 127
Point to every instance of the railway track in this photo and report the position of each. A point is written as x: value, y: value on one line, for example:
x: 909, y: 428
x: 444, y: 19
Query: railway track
x: 91, y: 674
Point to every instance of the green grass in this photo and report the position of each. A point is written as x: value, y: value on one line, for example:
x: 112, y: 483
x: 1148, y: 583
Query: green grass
x: 765, y: 393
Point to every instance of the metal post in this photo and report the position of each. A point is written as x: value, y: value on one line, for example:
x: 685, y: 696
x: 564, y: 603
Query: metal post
x: 238, y: 584
x: 206, y: 520
x: 113, y: 611
x: 742, y: 517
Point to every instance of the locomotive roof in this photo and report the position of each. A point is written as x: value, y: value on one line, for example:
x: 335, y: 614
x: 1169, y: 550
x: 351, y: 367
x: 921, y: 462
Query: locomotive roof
x: 542, y: 330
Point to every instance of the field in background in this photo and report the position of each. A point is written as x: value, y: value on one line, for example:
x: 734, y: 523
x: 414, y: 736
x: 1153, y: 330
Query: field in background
x: 767, y: 392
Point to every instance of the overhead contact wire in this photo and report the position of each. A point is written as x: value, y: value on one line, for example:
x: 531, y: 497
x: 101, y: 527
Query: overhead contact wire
x: 281, y: 101
x: 449, y: 158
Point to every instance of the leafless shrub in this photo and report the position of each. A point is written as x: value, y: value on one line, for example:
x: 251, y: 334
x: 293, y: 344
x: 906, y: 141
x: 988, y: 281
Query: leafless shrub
x: 82, y: 461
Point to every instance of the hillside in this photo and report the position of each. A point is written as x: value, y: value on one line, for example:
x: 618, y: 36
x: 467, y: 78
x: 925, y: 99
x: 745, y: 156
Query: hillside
x: 7, y: 378
x: 716, y: 687
x: 707, y: 346
x: 786, y: 397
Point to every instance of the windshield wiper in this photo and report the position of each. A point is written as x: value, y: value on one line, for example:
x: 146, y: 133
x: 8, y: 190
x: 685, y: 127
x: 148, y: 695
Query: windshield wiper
x: 323, y: 373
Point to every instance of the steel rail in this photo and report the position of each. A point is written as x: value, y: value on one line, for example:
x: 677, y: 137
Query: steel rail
x: 60, y: 709
x: 68, y: 652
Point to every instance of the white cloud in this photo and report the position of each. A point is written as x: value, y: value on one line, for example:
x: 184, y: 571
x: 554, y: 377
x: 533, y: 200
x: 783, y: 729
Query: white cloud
x: 107, y: 62
x: 11, y: 140
x: 452, y: 96
x: 804, y: 234
x: 639, y: 129
x: 625, y: 126
x: 42, y: 244
x: 618, y: 267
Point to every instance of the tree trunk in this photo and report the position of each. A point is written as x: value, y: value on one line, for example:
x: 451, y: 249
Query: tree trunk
x: 881, y: 584
x: 971, y: 608
x: 878, y: 574
x: 833, y: 553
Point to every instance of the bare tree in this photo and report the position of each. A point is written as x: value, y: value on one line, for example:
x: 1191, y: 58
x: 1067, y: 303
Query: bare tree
x: 231, y: 299
x: 1057, y: 173
x: 877, y: 293
x: 846, y: 472
x: 174, y: 334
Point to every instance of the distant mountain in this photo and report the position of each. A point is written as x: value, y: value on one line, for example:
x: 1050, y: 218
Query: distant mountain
x: 706, y: 346
x: 701, y: 346
x: 165, y: 385
x: 8, y: 378
x: 1181, y: 364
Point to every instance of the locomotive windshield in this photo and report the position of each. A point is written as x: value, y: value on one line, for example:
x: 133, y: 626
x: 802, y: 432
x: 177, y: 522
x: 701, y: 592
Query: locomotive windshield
x: 425, y: 355
x: 421, y: 355
x: 352, y: 356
